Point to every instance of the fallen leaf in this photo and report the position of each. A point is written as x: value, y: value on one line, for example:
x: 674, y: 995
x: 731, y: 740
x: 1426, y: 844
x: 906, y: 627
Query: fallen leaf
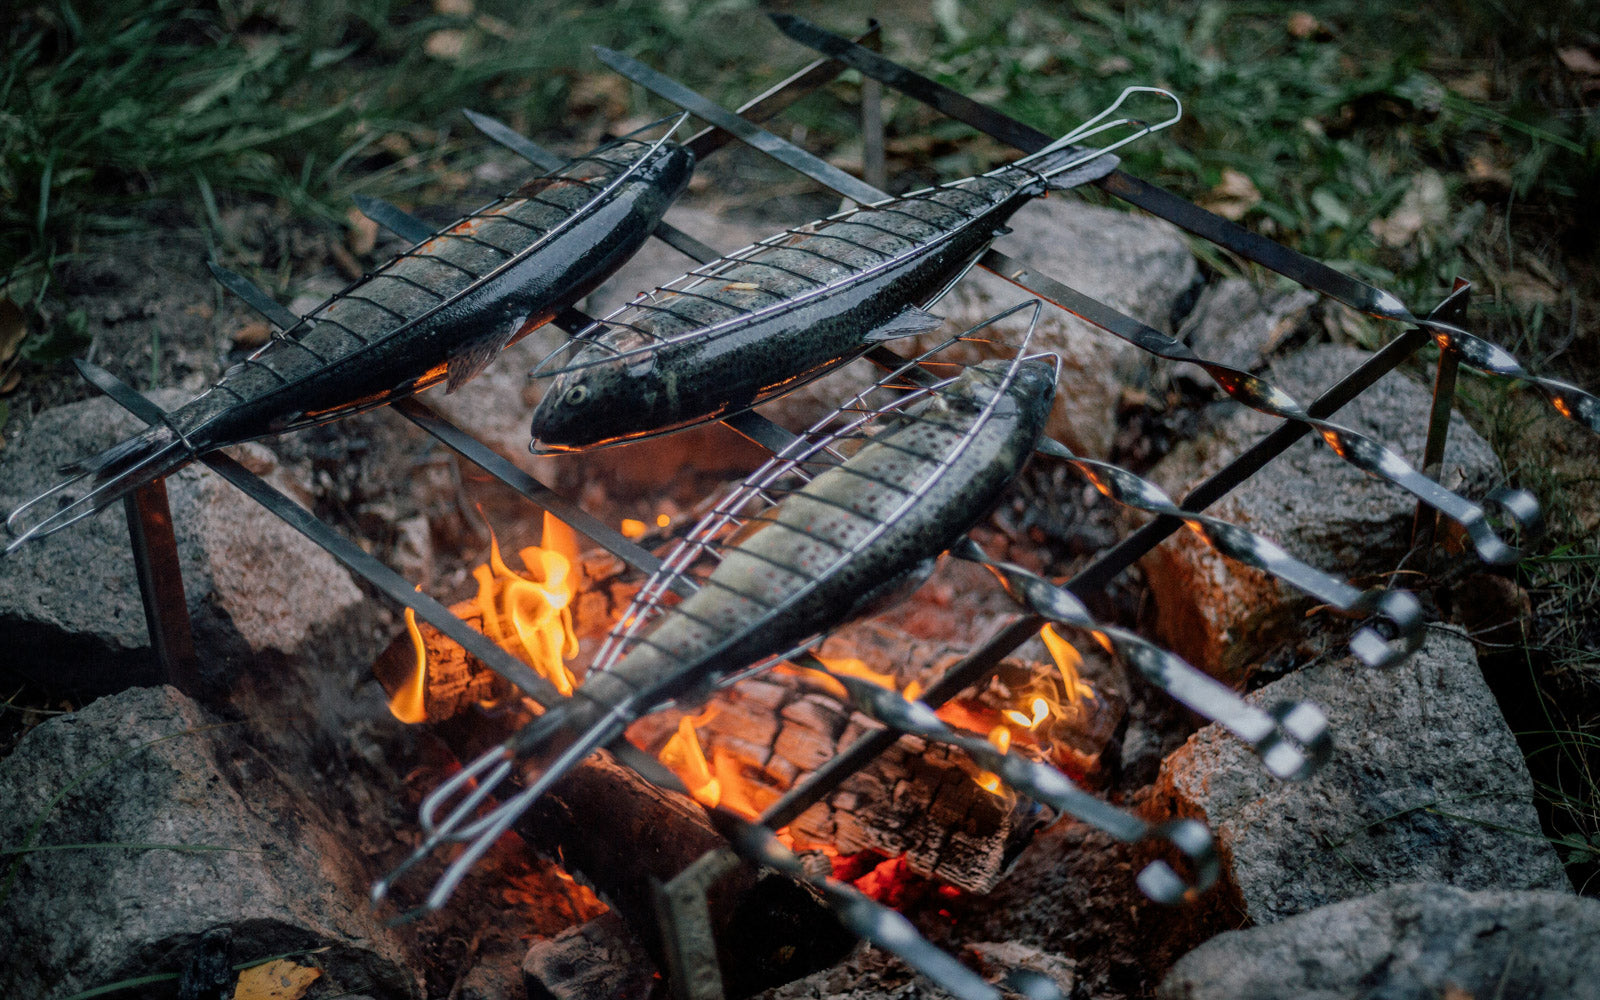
x: 1473, y: 86
x: 277, y: 980
x: 449, y: 44
x: 10, y: 384
x: 1304, y: 24
x: 252, y: 334
x: 13, y: 329
x: 1234, y: 196
x: 363, y: 233
x: 1424, y: 205
x: 1579, y: 60
x: 462, y: 8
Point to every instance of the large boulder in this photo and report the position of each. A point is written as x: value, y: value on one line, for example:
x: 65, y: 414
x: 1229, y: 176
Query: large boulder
x: 1425, y: 784
x: 1222, y: 615
x: 255, y: 587
x: 1410, y: 942
x: 155, y: 825
x: 1136, y: 264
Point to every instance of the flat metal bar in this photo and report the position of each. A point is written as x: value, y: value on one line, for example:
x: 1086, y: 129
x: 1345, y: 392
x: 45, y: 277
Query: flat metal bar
x: 1156, y: 200
x: 253, y: 296
x: 394, y: 218
x: 160, y: 575
x: 780, y: 95
x: 374, y: 572
x: 531, y: 489
x: 759, y: 138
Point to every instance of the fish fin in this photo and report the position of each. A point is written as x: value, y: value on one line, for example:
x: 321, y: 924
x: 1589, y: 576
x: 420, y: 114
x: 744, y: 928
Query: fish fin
x: 1084, y: 173
x: 113, y: 474
x: 907, y: 324
x: 466, y: 364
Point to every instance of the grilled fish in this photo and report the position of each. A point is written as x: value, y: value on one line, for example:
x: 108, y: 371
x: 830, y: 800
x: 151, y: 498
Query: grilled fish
x: 439, y: 311
x: 830, y: 551
x: 764, y: 320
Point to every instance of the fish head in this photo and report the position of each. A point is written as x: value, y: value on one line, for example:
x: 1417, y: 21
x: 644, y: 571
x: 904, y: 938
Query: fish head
x: 585, y: 406
x: 669, y: 169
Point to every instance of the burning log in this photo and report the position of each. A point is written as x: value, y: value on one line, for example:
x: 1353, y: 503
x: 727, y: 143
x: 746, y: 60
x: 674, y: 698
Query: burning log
x: 622, y: 835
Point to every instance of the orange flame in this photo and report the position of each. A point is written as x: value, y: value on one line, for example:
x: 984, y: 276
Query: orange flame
x: 530, y: 613
x: 1068, y: 660
x: 683, y: 755
x: 409, y: 701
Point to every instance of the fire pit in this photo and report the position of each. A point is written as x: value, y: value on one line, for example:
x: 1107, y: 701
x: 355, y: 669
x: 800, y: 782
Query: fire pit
x: 780, y: 753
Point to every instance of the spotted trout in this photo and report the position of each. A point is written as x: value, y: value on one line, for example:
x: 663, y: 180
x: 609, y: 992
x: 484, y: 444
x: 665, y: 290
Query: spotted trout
x: 440, y: 311
x: 764, y: 320
x: 832, y: 550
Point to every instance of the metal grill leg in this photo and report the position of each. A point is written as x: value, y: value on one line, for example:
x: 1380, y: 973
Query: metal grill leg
x: 1444, y: 394
x: 155, y: 560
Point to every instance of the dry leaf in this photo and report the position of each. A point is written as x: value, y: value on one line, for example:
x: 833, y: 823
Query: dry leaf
x: 1304, y: 24
x: 277, y: 980
x: 363, y: 233
x: 449, y: 44
x: 1579, y: 60
x: 1424, y: 205
x: 462, y: 8
x: 13, y: 329
x: 252, y: 334
x: 10, y: 384
x: 1235, y: 196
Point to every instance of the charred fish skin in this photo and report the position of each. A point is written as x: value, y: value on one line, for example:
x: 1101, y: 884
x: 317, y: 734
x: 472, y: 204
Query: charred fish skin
x: 454, y: 339
x: 442, y: 309
x: 773, y: 316
x: 786, y: 582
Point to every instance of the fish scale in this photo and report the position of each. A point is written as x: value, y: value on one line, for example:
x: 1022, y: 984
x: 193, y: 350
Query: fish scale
x: 441, y: 310
x: 761, y: 321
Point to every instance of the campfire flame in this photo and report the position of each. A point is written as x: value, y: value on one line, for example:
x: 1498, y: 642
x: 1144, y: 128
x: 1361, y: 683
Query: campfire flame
x: 528, y: 614
x: 683, y: 755
x: 409, y: 701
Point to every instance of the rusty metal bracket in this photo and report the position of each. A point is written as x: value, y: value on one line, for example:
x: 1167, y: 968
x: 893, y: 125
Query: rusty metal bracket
x: 155, y: 563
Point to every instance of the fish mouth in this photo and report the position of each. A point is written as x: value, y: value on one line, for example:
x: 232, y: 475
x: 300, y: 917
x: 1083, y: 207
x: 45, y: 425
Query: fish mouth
x: 540, y: 446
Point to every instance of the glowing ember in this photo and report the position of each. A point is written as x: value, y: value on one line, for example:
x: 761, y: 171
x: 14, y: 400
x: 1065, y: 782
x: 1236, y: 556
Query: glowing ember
x: 1041, y: 712
x: 632, y: 529
x: 663, y: 520
x: 1000, y: 736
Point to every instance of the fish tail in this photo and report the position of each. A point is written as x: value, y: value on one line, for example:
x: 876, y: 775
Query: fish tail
x: 111, y: 475
x: 1068, y: 163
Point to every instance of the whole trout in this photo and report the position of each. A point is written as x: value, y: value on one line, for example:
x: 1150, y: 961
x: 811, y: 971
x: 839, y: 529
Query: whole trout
x: 762, y: 321
x: 828, y: 552
x: 441, y: 310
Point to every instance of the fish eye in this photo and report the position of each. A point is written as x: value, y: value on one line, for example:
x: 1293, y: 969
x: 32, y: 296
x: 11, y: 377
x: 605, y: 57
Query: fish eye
x: 577, y: 394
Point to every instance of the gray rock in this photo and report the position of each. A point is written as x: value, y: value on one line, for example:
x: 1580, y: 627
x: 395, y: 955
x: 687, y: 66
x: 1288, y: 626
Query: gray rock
x: 1221, y: 615
x: 148, y: 767
x: 1139, y: 265
x: 1239, y: 324
x: 1413, y: 942
x: 254, y: 585
x: 1425, y: 784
